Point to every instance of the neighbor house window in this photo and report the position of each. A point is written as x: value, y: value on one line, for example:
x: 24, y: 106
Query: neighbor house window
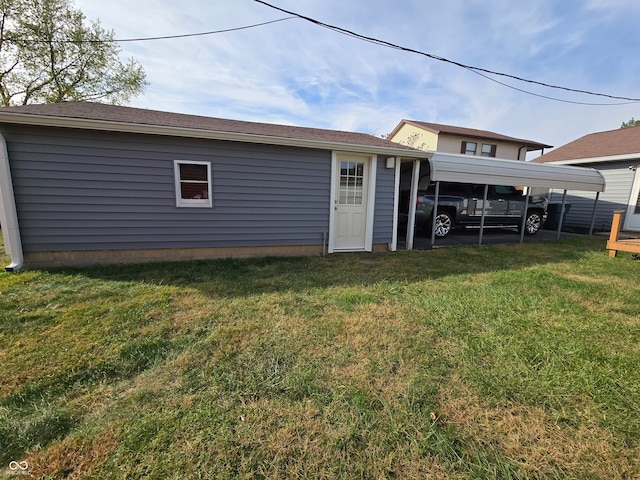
x: 469, y: 148
x: 488, y: 150
x: 193, y: 184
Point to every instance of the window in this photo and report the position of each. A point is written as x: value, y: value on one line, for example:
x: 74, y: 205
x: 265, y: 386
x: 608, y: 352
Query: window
x: 351, y: 183
x: 193, y: 184
x: 488, y: 150
x: 469, y: 148
x: 503, y: 190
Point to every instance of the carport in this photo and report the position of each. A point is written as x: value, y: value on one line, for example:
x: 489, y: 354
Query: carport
x: 444, y: 167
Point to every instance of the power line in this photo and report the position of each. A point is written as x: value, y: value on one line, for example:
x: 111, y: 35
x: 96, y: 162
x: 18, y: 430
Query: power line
x: 556, y: 99
x: 164, y: 37
x: 477, y: 70
x: 168, y: 37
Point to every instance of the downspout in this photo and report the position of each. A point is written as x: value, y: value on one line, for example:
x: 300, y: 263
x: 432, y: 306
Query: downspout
x: 520, y: 152
x: 8, y: 212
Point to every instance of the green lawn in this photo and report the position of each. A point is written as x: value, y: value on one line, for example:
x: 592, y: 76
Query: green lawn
x: 513, y: 362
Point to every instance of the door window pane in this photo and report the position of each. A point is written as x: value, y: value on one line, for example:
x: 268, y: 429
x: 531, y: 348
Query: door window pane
x: 351, y: 183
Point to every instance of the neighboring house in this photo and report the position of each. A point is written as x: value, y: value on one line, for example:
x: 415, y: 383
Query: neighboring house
x: 616, y: 154
x: 86, y: 183
x: 459, y: 140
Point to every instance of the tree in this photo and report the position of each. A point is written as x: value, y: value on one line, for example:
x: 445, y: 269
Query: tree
x: 631, y: 123
x: 48, y: 55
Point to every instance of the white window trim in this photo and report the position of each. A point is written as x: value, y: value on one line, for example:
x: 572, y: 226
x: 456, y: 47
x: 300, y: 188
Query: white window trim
x: 191, y: 202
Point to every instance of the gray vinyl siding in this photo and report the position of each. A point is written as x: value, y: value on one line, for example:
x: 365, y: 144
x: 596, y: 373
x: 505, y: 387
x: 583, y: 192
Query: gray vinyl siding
x: 383, y: 218
x: 80, y: 190
x: 619, y: 181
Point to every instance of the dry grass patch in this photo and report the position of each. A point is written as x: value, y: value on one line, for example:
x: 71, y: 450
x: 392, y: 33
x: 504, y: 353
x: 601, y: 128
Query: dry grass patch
x: 74, y: 457
x: 379, y: 345
x: 271, y: 440
x: 537, y: 444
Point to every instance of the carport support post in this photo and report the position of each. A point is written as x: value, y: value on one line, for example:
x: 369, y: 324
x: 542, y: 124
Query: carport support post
x: 484, y: 211
x: 564, y: 201
x: 413, y: 199
x: 524, y: 216
x: 435, y: 213
x: 593, y: 216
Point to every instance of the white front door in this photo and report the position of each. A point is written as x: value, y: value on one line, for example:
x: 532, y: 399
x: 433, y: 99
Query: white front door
x: 632, y: 218
x: 351, y: 192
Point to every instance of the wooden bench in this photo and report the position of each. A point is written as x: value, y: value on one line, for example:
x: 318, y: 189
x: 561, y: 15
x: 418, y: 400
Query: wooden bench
x: 614, y: 245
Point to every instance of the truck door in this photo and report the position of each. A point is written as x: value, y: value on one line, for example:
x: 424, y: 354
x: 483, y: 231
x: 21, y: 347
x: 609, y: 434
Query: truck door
x: 498, y: 202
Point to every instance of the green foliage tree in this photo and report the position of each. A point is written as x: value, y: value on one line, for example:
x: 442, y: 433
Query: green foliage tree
x: 49, y: 54
x: 631, y: 123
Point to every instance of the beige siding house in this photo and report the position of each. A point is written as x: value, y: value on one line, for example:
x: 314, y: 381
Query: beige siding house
x: 460, y: 140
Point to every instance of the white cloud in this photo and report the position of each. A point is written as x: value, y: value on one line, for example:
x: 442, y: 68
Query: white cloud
x: 299, y: 73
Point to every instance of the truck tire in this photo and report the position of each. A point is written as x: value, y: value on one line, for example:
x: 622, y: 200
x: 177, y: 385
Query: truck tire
x: 444, y: 224
x: 533, y: 223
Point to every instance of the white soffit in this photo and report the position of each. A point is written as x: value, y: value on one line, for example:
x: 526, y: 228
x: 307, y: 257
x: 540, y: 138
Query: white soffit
x: 496, y: 171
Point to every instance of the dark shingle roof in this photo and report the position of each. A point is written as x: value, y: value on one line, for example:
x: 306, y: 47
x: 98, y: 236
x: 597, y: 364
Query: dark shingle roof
x: 622, y: 141
x: 135, y: 116
x: 473, y: 133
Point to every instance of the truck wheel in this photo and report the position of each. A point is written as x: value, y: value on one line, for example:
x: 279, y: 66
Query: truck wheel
x: 533, y: 223
x: 444, y: 222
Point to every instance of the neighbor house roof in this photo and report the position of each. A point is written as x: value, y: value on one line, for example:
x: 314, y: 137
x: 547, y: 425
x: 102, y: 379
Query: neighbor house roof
x: 98, y: 116
x: 620, y: 144
x: 438, y: 128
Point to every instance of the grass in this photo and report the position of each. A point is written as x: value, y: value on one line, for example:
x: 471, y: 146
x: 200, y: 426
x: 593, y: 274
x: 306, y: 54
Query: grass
x: 514, y: 362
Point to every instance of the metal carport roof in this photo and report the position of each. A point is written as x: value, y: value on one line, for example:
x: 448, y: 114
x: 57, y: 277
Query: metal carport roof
x: 495, y: 171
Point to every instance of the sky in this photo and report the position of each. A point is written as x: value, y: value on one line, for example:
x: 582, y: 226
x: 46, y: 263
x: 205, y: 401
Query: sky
x: 295, y: 72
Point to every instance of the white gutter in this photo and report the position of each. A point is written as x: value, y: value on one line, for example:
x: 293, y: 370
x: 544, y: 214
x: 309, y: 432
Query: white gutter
x: 8, y: 212
x: 607, y: 158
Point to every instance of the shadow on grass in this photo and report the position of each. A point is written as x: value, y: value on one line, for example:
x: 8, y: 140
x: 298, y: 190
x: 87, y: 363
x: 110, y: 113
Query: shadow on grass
x: 35, y: 415
x: 231, y: 277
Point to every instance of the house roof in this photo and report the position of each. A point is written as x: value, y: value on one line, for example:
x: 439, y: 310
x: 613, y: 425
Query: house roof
x: 438, y: 128
x: 99, y: 116
x: 620, y: 144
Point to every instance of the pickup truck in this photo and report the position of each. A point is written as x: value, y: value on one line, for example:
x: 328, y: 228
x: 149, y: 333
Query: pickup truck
x: 461, y: 205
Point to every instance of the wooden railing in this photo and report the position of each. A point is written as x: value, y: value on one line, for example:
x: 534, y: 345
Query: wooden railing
x: 614, y: 245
